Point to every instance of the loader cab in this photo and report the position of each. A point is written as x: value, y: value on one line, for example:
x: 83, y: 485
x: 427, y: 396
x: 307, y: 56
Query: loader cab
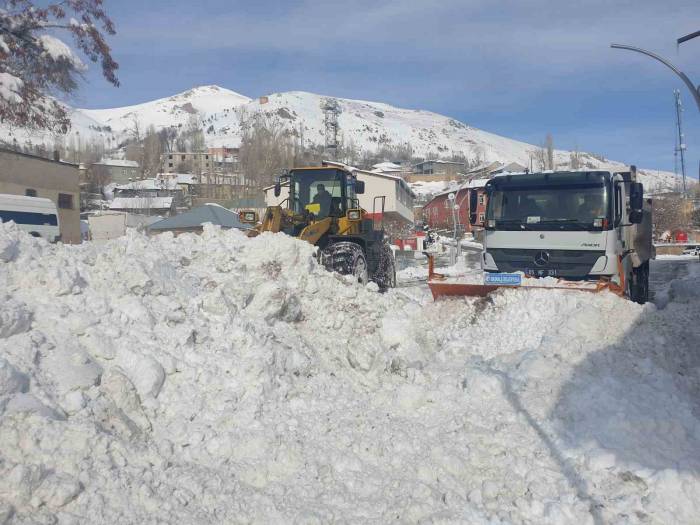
x: 323, y: 192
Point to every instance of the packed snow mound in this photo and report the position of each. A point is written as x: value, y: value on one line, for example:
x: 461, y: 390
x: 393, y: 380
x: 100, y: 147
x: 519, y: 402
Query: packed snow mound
x: 217, y: 378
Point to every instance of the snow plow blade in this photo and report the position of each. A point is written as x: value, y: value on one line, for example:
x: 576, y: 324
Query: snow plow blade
x: 441, y: 286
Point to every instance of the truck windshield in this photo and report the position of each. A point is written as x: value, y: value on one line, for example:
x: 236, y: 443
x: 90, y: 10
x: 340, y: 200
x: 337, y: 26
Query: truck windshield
x: 320, y: 192
x: 581, y: 206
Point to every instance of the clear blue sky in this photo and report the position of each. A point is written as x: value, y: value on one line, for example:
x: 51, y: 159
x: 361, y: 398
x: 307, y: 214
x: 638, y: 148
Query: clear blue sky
x: 519, y: 69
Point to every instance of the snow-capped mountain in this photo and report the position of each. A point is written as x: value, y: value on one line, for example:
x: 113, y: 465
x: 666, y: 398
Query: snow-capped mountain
x: 365, y: 125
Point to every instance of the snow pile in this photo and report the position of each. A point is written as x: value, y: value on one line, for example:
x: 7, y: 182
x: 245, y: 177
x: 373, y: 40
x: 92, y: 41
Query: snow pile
x: 216, y: 378
x: 10, y: 87
x: 60, y: 52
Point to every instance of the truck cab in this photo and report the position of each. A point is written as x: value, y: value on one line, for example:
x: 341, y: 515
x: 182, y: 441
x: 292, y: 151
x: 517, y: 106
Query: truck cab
x: 572, y: 225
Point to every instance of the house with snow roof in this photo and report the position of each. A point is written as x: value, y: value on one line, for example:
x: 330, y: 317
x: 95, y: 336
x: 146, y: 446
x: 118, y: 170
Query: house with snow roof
x: 117, y: 171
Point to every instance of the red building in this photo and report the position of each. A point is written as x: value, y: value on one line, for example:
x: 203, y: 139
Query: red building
x: 438, y: 213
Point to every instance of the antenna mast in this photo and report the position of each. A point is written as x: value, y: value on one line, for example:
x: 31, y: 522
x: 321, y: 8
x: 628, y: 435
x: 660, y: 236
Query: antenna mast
x: 331, y: 110
x: 680, y: 148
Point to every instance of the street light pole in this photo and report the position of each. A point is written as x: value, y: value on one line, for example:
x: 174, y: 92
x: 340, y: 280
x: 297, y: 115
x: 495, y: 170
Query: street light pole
x: 695, y: 91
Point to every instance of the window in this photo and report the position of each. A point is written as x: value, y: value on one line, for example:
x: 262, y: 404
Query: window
x: 29, y: 192
x: 206, y: 157
x: 170, y: 157
x: 481, y: 199
x: 170, y: 164
x: 65, y: 201
x: 184, y: 157
x: 482, y: 217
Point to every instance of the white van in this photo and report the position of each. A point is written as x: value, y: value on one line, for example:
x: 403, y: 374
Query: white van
x: 36, y: 216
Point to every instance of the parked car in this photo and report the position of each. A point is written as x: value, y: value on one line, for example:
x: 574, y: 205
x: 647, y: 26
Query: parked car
x: 35, y: 215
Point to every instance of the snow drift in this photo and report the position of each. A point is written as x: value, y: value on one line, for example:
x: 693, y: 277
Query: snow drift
x: 220, y: 379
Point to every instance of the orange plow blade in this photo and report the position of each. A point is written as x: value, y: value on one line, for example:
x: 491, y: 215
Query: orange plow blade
x: 443, y: 286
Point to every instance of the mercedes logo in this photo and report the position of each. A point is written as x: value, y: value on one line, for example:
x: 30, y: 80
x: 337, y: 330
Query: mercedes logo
x: 541, y: 258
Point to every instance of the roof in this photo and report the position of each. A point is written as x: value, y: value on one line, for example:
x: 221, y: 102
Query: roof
x: 437, y: 161
x: 487, y: 167
x: 37, y: 157
x: 118, y: 163
x: 387, y: 166
x: 181, y: 177
x: 144, y: 184
x: 477, y: 183
x: 141, y: 203
x: 472, y: 184
x: 212, y: 213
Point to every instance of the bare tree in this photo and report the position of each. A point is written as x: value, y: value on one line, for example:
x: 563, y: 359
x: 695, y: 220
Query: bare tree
x: 266, y: 148
x: 575, y: 159
x: 549, y: 145
x: 35, y: 65
x: 152, y: 150
x: 540, y: 157
x: 670, y: 212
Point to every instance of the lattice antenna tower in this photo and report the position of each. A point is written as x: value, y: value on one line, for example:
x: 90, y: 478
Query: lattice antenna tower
x: 331, y: 111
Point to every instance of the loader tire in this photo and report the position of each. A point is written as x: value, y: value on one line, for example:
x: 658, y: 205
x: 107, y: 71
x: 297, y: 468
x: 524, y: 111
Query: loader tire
x: 385, y: 276
x: 639, y: 287
x: 346, y: 258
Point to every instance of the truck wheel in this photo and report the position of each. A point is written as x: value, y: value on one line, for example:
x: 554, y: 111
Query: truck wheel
x: 385, y: 276
x: 346, y: 258
x: 640, y: 285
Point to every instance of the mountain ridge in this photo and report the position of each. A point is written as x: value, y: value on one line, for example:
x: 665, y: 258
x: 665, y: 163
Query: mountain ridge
x: 364, y: 125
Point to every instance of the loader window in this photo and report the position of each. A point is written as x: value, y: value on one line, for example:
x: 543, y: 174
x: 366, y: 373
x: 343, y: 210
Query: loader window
x: 320, y: 192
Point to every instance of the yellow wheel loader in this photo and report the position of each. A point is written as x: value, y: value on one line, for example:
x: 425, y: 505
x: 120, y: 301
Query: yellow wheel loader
x: 321, y: 207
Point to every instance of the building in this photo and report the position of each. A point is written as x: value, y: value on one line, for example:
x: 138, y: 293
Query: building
x: 117, y: 171
x: 488, y: 170
x: 438, y: 213
x: 194, y: 220
x: 146, y: 196
x: 186, y: 162
x: 146, y: 205
x: 32, y: 176
x: 437, y: 170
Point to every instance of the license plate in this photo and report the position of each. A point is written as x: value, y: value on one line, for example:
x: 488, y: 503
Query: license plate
x: 507, y: 279
x: 541, y: 273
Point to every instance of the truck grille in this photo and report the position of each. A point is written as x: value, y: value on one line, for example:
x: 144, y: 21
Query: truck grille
x: 570, y: 264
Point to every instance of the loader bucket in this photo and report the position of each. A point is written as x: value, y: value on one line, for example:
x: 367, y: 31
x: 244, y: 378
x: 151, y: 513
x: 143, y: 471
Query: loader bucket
x: 442, y: 286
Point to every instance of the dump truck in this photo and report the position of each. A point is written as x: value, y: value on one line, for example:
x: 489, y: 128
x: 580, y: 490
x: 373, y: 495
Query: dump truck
x: 582, y: 230
x: 322, y: 208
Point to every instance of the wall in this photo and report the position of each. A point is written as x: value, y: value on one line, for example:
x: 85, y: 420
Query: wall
x: 438, y: 214
x: 19, y: 172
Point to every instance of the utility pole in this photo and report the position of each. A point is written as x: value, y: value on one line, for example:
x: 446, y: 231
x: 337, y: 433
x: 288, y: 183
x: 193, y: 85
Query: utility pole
x: 680, y: 147
x: 693, y: 90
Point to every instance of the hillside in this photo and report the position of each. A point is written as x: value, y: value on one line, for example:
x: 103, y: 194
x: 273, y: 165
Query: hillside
x: 364, y: 125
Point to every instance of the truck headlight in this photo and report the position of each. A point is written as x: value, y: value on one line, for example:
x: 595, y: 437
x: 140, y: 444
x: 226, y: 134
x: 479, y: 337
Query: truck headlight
x: 354, y: 215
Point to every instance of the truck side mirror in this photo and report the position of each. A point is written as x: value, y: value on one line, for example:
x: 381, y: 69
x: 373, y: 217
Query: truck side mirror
x: 636, y: 202
x: 359, y: 187
x: 473, y: 203
x: 278, y: 188
x: 636, y: 196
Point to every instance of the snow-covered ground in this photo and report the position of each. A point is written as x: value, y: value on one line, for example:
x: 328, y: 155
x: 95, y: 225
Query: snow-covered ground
x: 220, y: 379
